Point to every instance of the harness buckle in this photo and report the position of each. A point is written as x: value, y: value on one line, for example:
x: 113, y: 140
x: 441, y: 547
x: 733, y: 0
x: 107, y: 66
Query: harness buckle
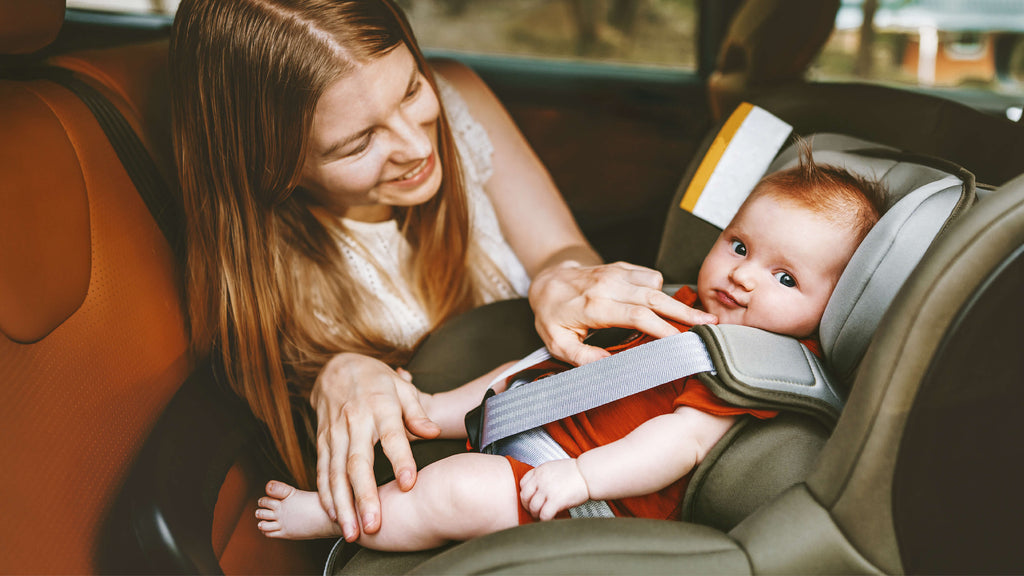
x: 475, y: 422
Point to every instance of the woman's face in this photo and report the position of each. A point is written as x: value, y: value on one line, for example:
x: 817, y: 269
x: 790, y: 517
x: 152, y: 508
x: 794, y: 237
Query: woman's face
x: 373, y: 143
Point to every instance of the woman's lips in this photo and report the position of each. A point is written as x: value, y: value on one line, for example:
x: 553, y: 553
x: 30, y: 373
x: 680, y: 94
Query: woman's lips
x: 419, y: 174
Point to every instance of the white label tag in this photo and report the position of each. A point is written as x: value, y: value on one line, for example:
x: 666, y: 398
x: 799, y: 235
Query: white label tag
x: 736, y: 161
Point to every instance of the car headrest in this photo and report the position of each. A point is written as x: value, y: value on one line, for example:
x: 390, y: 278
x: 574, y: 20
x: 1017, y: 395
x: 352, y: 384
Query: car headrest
x: 923, y: 196
x: 29, y: 25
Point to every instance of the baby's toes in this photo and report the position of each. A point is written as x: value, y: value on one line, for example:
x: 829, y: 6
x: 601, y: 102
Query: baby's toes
x: 266, y: 514
x: 279, y: 490
x: 271, y: 504
x: 269, y: 527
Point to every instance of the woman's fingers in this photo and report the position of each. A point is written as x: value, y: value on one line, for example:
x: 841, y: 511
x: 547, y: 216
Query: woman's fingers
x: 568, y: 345
x: 571, y: 300
x: 359, y: 468
x: 323, y: 481
x: 332, y: 481
x: 413, y: 414
x: 395, y: 442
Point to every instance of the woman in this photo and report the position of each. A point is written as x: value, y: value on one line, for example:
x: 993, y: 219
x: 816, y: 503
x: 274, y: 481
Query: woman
x: 343, y: 199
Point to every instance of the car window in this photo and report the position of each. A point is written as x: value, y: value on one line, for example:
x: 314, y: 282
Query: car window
x: 166, y: 7
x: 645, y: 32
x: 638, y: 32
x: 968, y: 51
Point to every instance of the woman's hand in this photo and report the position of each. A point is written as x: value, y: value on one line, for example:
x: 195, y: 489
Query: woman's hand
x: 358, y: 401
x: 569, y: 299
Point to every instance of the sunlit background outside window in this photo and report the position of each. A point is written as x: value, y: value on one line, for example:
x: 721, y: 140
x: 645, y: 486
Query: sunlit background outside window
x: 934, y: 44
x: 646, y: 32
x: 940, y: 44
x: 643, y: 32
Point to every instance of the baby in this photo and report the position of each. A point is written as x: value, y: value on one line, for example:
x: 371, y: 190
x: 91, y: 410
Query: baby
x: 773, y: 267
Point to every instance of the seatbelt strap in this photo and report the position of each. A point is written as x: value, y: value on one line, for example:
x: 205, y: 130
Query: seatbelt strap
x: 134, y: 156
x: 585, y: 387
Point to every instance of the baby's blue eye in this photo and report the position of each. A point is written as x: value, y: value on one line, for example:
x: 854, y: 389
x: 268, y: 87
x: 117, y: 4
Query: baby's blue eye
x: 739, y: 248
x: 785, y: 279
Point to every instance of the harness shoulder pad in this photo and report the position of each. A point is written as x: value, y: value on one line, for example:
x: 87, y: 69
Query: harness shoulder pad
x: 758, y: 369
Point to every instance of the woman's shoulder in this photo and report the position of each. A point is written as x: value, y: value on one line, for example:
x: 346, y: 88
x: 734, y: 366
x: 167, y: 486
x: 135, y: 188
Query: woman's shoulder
x: 459, y: 82
x: 458, y: 88
x: 455, y: 75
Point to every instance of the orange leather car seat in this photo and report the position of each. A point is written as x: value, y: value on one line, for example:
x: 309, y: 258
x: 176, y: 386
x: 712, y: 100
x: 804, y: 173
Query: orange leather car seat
x: 93, y: 342
x: 92, y: 335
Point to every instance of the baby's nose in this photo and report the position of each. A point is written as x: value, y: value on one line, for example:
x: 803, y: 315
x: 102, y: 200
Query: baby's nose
x: 742, y: 277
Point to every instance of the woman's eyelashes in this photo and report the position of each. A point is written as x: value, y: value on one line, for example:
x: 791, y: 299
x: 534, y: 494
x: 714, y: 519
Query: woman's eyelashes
x: 414, y: 90
x: 364, y: 142
x: 360, y: 146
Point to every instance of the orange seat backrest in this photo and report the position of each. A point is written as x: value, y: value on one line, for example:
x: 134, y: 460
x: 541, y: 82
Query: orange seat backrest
x: 92, y: 332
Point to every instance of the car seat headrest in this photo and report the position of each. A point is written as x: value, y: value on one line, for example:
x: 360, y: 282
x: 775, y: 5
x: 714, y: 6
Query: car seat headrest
x: 923, y: 195
x: 29, y: 25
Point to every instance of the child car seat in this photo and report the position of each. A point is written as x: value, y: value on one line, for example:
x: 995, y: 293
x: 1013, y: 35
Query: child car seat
x: 924, y: 196
x: 753, y: 368
x: 900, y: 485
x: 726, y: 492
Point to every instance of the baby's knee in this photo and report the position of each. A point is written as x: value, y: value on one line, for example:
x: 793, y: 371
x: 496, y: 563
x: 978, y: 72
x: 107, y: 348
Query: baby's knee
x: 478, y: 480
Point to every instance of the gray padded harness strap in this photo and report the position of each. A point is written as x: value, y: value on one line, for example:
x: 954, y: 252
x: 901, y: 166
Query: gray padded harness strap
x: 589, y: 386
x: 758, y: 369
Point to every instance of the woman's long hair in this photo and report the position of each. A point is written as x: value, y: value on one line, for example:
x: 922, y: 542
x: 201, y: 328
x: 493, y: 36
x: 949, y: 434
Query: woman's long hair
x: 246, y: 76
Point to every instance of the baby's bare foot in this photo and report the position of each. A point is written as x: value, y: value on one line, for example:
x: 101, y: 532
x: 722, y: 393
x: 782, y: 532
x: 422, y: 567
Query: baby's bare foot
x: 287, y: 512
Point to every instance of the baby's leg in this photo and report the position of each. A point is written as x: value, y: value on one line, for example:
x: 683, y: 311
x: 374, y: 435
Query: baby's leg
x: 456, y: 498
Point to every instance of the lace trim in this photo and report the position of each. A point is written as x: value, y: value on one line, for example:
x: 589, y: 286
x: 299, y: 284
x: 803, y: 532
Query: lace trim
x: 471, y: 138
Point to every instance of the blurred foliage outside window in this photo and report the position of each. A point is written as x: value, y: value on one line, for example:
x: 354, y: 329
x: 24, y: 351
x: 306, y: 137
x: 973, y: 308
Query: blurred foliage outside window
x: 643, y: 32
x: 941, y: 44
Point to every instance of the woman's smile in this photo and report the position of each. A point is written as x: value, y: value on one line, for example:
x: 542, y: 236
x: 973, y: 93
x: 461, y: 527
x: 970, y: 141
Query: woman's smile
x: 419, y: 174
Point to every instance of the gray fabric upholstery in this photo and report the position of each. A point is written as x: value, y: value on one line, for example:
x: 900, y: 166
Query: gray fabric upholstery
x: 879, y: 268
x: 917, y: 210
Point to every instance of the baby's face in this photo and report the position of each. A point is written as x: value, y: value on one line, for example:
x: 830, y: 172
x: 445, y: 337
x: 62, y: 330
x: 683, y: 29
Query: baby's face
x: 774, y: 267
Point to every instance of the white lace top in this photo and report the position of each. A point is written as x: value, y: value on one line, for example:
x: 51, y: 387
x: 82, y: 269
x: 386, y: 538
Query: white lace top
x: 407, y: 321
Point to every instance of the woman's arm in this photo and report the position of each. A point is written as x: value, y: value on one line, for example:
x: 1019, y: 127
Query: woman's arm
x: 571, y: 291
x: 652, y: 456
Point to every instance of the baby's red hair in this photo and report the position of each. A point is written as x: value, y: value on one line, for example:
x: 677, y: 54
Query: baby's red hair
x: 836, y: 193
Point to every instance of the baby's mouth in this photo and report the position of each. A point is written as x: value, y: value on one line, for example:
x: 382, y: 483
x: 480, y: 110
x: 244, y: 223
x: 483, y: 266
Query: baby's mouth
x: 727, y: 299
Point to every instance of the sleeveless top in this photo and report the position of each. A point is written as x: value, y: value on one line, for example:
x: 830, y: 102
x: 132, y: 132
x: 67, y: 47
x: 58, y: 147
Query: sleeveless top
x: 405, y: 321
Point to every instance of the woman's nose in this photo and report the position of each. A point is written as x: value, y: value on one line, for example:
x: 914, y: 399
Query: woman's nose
x: 412, y: 141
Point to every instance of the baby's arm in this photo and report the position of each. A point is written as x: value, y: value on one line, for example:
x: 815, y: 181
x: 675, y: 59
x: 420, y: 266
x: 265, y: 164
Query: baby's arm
x: 448, y: 409
x: 654, y: 455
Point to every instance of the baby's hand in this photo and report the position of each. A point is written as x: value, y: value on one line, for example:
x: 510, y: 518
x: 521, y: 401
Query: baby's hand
x: 552, y: 487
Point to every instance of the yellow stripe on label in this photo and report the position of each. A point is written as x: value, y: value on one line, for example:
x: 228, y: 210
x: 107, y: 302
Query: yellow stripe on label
x: 710, y: 161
